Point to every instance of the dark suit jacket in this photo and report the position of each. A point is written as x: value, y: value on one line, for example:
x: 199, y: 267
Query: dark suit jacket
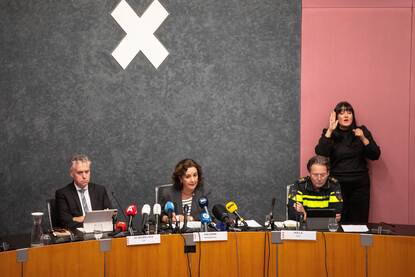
x: 175, y: 196
x: 68, y: 204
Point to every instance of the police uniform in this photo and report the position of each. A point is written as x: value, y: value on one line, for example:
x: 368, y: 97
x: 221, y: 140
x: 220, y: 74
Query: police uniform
x: 302, y: 191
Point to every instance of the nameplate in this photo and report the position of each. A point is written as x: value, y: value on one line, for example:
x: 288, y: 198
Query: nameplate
x: 298, y: 235
x: 210, y: 236
x: 143, y: 240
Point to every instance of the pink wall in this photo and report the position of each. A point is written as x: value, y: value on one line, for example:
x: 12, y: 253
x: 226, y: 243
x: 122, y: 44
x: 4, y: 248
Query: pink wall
x: 361, y: 51
x: 411, y: 182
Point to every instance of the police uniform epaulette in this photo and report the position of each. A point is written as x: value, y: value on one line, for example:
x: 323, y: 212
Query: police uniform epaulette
x: 302, y: 180
x: 332, y: 179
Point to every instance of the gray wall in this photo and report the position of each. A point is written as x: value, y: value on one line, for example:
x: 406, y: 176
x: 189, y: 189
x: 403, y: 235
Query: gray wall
x: 227, y: 96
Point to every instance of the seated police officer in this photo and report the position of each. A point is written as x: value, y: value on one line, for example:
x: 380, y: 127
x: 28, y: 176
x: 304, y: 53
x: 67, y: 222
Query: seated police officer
x: 318, y: 190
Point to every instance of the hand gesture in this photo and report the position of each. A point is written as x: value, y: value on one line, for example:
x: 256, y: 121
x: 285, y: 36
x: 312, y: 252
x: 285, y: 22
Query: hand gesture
x: 300, y: 209
x: 333, y: 121
x: 359, y: 133
x: 332, y: 124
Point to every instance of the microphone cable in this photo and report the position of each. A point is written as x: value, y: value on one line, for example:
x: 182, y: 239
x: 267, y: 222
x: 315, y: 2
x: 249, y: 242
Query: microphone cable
x: 325, y: 254
x: 237, y: 254
x: 119, y: 205
x: 189, y: 264
x: 267, y: 244
x: 200, y: 254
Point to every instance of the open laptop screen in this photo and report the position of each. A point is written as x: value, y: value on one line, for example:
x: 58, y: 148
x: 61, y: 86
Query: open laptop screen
x: 103, y: 217
x: 318, y: 219
x: 321, y: 213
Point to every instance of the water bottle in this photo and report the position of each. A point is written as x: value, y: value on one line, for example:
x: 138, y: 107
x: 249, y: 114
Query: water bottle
x: 36, y: 235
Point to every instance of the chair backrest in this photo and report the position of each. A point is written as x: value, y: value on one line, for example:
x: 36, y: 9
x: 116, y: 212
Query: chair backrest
x: 51, y: 207
x: 286, y: 199
x: 156, y: 190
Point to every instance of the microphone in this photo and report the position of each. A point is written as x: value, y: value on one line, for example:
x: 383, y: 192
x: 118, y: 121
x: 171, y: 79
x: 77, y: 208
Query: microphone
x: 145, y: 212
x: 120, y: 229
x: 121, y: 226
x: 220, y: 213
x: 232, y: 208
x: 271, y: 215
x: 203, y: 203
x: 131, y: 211
x: 205, y: 220
x: 169, y: 209
x: 118, y: 204
x: 157, y: 213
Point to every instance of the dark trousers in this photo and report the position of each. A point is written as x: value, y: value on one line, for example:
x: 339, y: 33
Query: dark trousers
x: 356, y: 198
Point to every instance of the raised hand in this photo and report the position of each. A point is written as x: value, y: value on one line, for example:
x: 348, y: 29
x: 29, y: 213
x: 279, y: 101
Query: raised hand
x: 332, y: 124
x: 333, y: 121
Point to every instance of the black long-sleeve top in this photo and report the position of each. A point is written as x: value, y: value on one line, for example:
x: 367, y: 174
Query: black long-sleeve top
x: 347, y: 152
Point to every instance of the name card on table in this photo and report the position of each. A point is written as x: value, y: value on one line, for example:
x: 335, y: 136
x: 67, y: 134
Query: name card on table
x: 355, y: 228
x: 298, y: 235
x: 210, y: 236
x: 143, y: 240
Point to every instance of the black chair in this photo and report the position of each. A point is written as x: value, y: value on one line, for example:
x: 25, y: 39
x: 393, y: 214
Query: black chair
x: 157, y: 188
x: 53, y: 220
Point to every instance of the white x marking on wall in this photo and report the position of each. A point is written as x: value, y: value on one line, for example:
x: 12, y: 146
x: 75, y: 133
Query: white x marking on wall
x: 140, y: 34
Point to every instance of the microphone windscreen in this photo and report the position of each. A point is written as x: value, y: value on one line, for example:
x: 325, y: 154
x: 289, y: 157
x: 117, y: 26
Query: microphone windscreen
x: 205, y: 218
x: 121, y: 226
x: 156, y: 209
x: 169, y: 207
x: 220, y: 213
x: 203, y: 202
x: 131, y: 210
x: 231, y: 207
x: 146, y: 209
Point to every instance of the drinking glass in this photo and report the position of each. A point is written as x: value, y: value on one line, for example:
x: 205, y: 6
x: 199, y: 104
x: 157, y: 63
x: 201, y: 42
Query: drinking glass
x: 36, y: 233
x: 333, y: 224
x: 98, y: 231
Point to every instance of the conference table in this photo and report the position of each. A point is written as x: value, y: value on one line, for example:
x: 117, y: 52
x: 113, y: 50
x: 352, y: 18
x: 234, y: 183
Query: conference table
x: 243, y: 254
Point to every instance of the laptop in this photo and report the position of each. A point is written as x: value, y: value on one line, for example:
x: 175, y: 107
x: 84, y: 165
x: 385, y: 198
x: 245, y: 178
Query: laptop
x: 103, y: 217
x: 318, y: 219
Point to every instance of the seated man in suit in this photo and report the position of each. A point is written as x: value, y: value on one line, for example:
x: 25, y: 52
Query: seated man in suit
x: 318, y: 190
x: 80, y: 196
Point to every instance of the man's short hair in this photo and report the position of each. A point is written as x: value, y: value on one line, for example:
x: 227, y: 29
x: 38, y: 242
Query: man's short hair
x: 79, y: 158
x: 321, y: 160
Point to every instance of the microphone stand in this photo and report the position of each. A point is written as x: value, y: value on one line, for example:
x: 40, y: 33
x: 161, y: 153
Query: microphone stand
x: 245, y: 227
x: 170, y: 216
x: 156, y: 224
x: 185, y: 212
x: 119, y: 205
x: 272, y: 222
x: 130, y: 226
x: 177, y: 227
x: 131, y: 230
x: 147, y: 228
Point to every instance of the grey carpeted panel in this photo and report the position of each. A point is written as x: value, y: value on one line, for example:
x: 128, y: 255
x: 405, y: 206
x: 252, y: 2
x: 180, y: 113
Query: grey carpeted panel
x: 227, y: 96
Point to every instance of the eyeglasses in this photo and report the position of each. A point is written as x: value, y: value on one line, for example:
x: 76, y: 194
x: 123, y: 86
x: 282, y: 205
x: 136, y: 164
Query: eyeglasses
x: 319, y: 175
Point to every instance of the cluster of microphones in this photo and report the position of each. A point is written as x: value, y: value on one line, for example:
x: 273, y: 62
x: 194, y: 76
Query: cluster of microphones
x: 226, y: 218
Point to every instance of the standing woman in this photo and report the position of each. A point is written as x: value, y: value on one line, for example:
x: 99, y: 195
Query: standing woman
x: 348, y: 146
x: 188, y: 187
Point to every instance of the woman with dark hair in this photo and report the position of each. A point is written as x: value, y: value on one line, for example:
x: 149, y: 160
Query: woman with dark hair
x: 348, y: 146
x: 188, y: 187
